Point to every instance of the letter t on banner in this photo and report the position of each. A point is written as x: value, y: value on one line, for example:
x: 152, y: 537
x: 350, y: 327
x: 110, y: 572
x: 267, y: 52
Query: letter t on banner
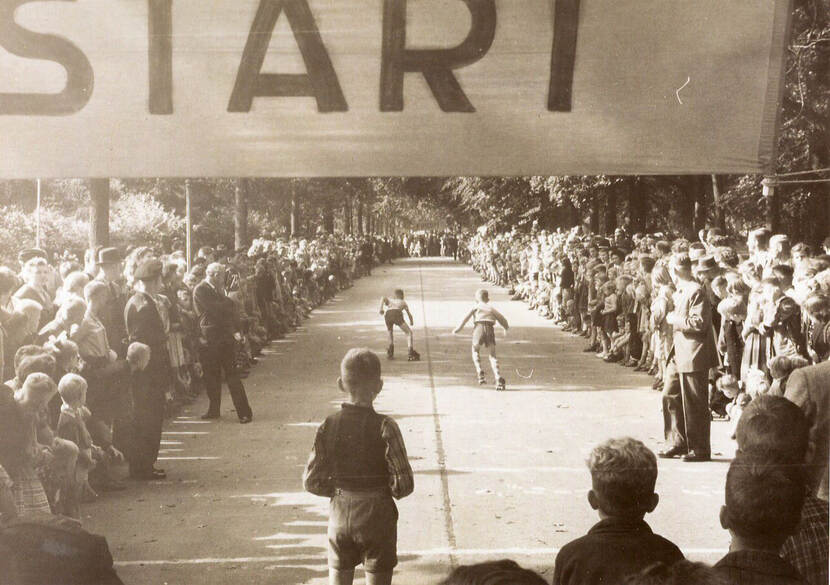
x: 436, y: 65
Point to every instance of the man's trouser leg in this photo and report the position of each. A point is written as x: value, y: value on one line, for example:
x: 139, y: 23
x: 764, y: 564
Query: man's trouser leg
x: 212, y: 373
x: 674, y: 425
x: 695, y: 392
x: 225, y: 357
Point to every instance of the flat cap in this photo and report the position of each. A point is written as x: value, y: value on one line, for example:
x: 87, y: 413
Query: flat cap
x: 29, y: 253
x: 149, y: 269
x: 109, y: 256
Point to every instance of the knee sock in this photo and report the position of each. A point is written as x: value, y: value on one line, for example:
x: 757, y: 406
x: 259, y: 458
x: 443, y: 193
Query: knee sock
x: 494, y: 363
x: 477, y: 360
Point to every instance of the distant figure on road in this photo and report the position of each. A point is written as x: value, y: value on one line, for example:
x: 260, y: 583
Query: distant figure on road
x: 393, y: 313
x: 359, y: 461
x: 484, y: 317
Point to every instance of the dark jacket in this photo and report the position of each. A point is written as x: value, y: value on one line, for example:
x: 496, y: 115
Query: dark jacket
x: 215, y: 312
x: 752, y: 567
x: 612, y: 550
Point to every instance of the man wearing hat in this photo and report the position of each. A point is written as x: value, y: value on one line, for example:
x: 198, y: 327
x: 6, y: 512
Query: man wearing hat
x: 216, y: 321
x: 108, y: 266
x: 686, y: 395
x: 144, y: 325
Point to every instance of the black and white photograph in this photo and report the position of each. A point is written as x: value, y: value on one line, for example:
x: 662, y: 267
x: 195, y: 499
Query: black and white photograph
x: 423, y: 292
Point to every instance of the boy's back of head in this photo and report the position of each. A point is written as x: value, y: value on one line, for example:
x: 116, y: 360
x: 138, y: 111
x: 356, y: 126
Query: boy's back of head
x: 398, y: 293
x: 773, y: 429
x: 623, y: 474
x: 763, y: 502
x: 360, y: 369
x: 482, y: 295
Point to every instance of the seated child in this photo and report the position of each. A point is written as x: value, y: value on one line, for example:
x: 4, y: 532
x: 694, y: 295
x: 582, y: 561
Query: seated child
x: 393, y: 311
x: 72, y: 427
x: 359, y: 461
x: 623, y: 474
x: 763, y: 508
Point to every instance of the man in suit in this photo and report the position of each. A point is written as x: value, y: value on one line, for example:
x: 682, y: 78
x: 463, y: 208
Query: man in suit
x: 219, y: 336
x: 144, y: 324
x: 686, y: 395
x: 809, y: 388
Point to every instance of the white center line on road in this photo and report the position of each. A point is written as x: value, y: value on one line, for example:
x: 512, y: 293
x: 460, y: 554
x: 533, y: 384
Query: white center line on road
x: 449, y: 522
x: 426, y: 553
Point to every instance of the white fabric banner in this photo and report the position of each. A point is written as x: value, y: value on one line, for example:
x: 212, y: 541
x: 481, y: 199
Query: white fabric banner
x: 129, y: 88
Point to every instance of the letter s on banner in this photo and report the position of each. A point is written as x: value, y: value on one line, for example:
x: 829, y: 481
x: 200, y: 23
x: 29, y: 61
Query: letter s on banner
x: 31, y: 45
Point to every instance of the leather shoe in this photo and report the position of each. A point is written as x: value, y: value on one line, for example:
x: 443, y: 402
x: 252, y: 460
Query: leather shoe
x: 210, y: 416
x: 672, y: 452
x: 243, y: 420
x: 693, y: 457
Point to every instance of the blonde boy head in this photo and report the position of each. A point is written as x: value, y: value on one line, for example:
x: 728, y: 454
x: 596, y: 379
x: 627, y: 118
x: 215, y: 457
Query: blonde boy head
x: 360, y: 374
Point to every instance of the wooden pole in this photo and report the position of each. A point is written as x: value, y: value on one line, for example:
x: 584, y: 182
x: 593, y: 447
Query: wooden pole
x: 99, y: 213
x: 37, y: 217
x: 240, y: 215
x: 188, y: 224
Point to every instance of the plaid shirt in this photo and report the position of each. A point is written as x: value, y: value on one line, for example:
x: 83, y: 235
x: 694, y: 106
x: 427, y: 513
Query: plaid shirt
x: 318, y: 479
x: 807, y: 549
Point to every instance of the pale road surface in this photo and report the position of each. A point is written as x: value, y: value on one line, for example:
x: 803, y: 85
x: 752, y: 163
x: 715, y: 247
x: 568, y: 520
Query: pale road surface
x: 496, y: 474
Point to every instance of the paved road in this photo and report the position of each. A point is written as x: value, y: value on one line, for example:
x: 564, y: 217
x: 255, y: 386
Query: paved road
x: 497, y: 474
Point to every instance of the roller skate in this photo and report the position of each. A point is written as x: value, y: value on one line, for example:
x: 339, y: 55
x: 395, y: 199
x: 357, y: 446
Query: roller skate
x: 481, y: 379
x: 390, y: 351
x: 501, y: 385
x: 413, y: 356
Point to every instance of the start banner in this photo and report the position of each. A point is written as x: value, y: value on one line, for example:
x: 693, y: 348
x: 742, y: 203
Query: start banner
x: 131, y: 88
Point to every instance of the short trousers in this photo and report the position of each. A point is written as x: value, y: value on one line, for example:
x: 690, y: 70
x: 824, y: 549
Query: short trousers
x: 484, y: 334
x: 363, y: 528
x: 393, y: 317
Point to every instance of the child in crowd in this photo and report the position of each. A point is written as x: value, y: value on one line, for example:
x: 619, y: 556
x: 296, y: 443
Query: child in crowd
x: 359, y: 461
x: 72, y: 427
x: 68, y: 317
x: 609, y: 318
x: 484, y: 317
x: 623, y: 475
x: 393, y: 311
x: 763, y: 508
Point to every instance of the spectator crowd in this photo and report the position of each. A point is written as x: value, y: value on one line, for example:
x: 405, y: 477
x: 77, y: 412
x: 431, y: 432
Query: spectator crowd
x: 96, y: 351
x: 753, y: 323
x: 95, y: 354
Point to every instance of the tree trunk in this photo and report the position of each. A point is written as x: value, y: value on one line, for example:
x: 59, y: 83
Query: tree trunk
x: 347, y: 216
x: 99, y: 213
x: 774, y: 210
x: 295, y: 212
x: 611, y: 211
x: 720, y: 219
x: 637, y: 203
x: 593, y: 221
x: 240, y: 215
x: 359, y: 216
x: 686, y: 209
x: 328, y: 218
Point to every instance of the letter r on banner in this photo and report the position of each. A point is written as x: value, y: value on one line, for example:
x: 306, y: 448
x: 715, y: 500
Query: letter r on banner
x: 436, y: 65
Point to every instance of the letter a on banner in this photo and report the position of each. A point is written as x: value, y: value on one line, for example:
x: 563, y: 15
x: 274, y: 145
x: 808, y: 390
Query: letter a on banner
x: 319, y: 82
x: 436, y: 65
x: 31, y: 45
